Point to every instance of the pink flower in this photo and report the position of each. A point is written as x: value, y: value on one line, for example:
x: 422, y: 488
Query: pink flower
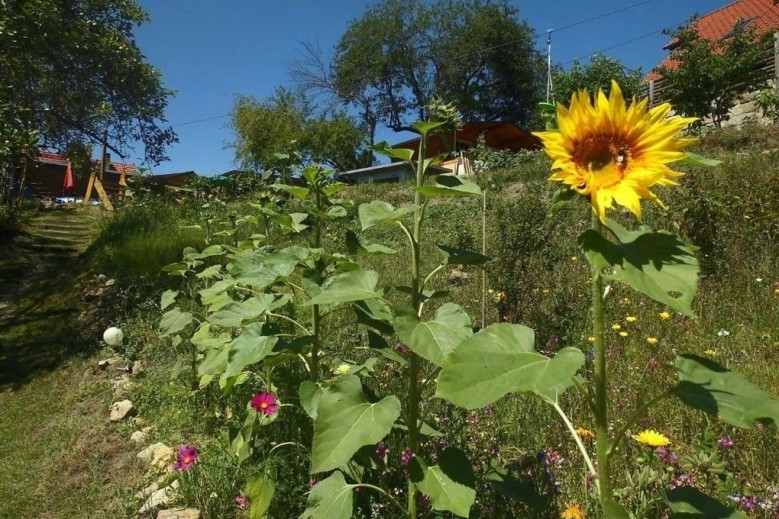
x: 266, y: 403
x: 186, y: 458
x: 242, y: 502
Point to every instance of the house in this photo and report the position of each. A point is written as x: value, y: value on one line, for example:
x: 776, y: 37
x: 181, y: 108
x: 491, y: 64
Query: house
x: 47, y: 176
x: 762, y: 16
x: 456, y: 145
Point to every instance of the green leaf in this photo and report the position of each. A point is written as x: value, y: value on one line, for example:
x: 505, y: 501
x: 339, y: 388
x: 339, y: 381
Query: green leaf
x: 204, y: 340
x: 235, y: 313
x: 450, y: 485
x: 698, y: 160
x: 291, y: 222
x: 168, y: 298
x: 331, y: 498
x: 374, y: 313
x: 215, y: 362
x: 174, y: 321
x: 657, y: 264
x: 560, y: 198
x: 451, y: 186
x: 310, y: 394
x: 346, y: 421
x: 377, y: 212
x: 500, y: 360
x: 463, y: 257
x: 425, y: 127
x: 260, y: 272
x: 248, y: 348
x: 356, y: 285
x: 614, y: 510
x: 709, y: 387
x: 434, y: 340
x: 209, y: 295
x: 259, y: 491
x: 385, y: 149
x: 690, y: 503
x: 356, y: 245
x: 210, y: 251
x: 377, y: 343
x: 508, y: 486
x: 301, y: 193
x: 175, y: 269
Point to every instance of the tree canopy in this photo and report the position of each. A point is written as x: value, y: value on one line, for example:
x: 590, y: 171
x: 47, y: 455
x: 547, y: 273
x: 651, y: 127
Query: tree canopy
x: 71, y: 70
x: 597, y: 75
x: 707, y: 76
x: 391, y: 62
x: 284, y: 126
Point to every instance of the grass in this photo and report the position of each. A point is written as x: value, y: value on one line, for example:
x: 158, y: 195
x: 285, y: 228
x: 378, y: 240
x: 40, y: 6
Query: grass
x: 731, y: 213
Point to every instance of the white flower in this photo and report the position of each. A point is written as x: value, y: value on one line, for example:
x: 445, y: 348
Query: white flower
x: 723, y: 333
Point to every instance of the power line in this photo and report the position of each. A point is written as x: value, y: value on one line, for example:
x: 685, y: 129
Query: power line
x: 201, y: 120
x: 603, y: 15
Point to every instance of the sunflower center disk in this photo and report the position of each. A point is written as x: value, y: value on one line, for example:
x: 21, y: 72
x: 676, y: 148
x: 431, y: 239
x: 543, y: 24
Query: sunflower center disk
x: 601, y: 161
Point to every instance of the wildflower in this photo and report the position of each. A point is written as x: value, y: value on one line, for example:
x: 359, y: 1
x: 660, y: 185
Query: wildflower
x: 651, y: 340
x: 710, y: 353
x: 623, y: 334
x: 343, y: 369
x: 630, y: 319
x: 572, y: 512
x: 266, y: 403
x: 591, y: 338
x: 725, y: 443
x: 615, y: 153
x: 242, y: 502
x: 574, y: 258
x: 664, y: 315
x: 381, y: 451
x: 187, y: 457
x: 651, y: 438
x: 667, y: 456
x: 723, y: 333
x: 584, y: 433
x: 615, y: 327
x: 406, y: 458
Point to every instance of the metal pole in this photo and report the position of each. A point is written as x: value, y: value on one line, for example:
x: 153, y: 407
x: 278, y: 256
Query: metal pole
x: 484, y: 253
x: 776, y: 62
x: 549, y: 65
x: 103, y: 155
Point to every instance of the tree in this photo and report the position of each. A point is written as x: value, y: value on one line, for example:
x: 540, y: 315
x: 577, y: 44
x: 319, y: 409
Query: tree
x: 707, y: 76
x: 597, y: 75
x: 269, y: 132
x: 71, y: 70
x: 391, y: 62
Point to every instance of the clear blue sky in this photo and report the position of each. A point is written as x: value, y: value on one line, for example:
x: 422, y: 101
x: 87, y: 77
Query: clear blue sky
x: 210, y: 51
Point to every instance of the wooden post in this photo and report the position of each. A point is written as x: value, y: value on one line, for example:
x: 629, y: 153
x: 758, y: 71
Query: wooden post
x: 776, y: 62
x: 484, y: 253
x: 95, y: 181
x: 651, y: 93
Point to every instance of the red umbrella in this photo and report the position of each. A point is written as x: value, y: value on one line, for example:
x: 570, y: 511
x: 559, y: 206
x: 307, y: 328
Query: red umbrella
x: 70, y: 181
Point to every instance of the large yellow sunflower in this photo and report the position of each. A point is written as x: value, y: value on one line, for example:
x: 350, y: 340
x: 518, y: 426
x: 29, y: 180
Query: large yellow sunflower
x: 615, y: 153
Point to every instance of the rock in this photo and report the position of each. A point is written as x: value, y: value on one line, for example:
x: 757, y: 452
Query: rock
x: 121, y: 410
x: 141, y: 435
x: 179, y: 513
x: 110, y: 283
x: 163, y: 459
x: 158, y: 498
x: 107, y: 363
x: 100, y: 277
x: 147, y: 454
x: 136, y: 368
x: 120, y: 386
x: 457, y: 276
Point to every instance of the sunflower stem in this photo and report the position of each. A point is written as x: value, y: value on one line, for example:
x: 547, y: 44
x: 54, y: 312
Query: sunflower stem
x: 600, y: 381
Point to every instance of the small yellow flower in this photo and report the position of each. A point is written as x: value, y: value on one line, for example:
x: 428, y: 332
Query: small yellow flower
x: 623, y: 334
x: 711, y: 353
x: 615, y: 327
x: 630, y: 319
x: 591, y: 338
x: 625, y: 300
x: 664, y: 315
x: 572, y: 512
x: 584, y: 433
x: 574, y: 258
x: 651, y: 340
x: 545, y: 291
x: 343, y: 369
x: 776, y: 291
x: 651, y: 438
x: 490, y: 291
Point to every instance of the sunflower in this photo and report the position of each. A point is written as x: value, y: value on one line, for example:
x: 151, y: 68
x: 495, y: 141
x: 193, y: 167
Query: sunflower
x: 651, y: 438
x: 612, y: 152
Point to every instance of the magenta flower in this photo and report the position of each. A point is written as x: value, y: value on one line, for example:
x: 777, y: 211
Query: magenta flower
x: 242, y: 502
x: 406, y: 457
x: 265, y: 403
x: 186, y: 458
x: 381, y: 451
x: 725, y: 443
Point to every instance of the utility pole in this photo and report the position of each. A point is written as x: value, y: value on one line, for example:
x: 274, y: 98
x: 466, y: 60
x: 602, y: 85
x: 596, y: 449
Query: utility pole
x: 549, y: 65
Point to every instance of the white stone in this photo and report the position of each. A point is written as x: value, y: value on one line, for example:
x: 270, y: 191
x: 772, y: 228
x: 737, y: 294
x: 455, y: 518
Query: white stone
x: 179, y: 513
x: 140, y: 436
x: 121, y: 410
x: 107, y: 363
x: 158, y: 498
x: 113, y: 336
x: 147, y: 454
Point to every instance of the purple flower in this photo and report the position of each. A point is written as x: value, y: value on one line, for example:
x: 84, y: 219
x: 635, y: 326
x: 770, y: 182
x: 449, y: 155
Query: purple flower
x: 242, y: 502
x: 381, y: 451
x: 186, y: 458
x: 406, y: 458
x: 667, y: 456
x: 725, y: 443
x: 266, y: 403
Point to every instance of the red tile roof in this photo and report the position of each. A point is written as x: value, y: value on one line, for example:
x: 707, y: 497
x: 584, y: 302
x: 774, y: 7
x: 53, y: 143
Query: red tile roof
x: 50, y: 157
x: 764, y: 16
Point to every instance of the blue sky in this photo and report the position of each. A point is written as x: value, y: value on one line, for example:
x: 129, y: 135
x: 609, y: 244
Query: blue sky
x: 209, y: 52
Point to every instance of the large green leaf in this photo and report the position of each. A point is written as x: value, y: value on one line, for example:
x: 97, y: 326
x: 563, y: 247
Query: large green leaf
x: 215, y: 361
x: 374, y: 313
x: 261, y: 272
x: 508, y: 486
x: 614, y: 510
x: 357, y: 245
x: 310, y: 393
x: 560, y: 198
x: 463, y: 257
x: 260, y: 493
x: 434, y: 340
x: 248, y: 348
x: 291, y: 222
x: 205, y: 340
x: 450, y: 485
x: 235, y: 313
x: 383, y: 148
x: 425, y: 127
x: 451, y: 186
x: 174, y: 321
x: 709, y: 387
x: 301, y: 193
x: 356, y: 285
x: 690, y: 503
x: 500, y: 360
x: 331, y: 498
x: 209, y: 295
x: 378, y: 212
x: 346, y: 421
x: 657, y: 264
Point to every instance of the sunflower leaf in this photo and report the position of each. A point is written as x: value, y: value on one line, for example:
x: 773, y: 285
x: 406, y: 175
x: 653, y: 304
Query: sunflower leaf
x: 690, y: 503
x: 331, y: 498
x: 657, y: 264
x: 450, y: 485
